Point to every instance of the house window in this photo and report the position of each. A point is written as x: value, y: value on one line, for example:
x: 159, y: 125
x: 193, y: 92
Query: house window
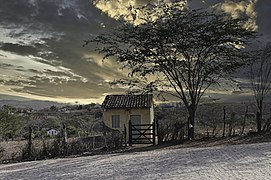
x: 115, y: 121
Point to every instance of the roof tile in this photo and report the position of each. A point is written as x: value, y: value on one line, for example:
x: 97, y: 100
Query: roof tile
x: 127, y: 101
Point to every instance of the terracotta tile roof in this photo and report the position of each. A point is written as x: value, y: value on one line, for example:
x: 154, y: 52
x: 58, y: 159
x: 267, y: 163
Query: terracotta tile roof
x: 127, y: 101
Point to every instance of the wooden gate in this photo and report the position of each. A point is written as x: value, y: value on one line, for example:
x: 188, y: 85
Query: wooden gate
x: 141, y: 133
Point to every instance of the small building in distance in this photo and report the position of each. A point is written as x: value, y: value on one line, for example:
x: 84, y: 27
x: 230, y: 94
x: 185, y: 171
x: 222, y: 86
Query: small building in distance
x: 52, y: 132
x: 119, y: 109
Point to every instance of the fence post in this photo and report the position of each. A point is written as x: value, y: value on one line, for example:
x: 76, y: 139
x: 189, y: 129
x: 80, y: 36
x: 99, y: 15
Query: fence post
x: 224, y: 121
x: 130, y: 133
x: 125, y: 135
x: 65, y: 139
x: 153, y: 129
x: 30, y: 144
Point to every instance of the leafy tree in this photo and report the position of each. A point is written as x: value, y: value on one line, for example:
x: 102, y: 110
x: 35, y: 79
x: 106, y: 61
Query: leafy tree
x: 176, y: 50
x: 260, y: 77
x: 52, y: 123
x: 10, y: 122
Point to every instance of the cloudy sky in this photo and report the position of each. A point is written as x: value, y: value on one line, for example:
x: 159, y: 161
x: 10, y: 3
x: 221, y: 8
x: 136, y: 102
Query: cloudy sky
x: 41, y: 53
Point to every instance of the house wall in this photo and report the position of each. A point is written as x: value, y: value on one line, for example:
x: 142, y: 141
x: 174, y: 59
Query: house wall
x: 52, y: 132
x: 146, y: 117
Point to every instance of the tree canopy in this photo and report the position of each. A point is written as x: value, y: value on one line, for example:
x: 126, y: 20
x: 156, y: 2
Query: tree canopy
x: 177, y: 50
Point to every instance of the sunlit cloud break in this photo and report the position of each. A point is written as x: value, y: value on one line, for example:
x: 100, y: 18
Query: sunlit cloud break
x: 123, y: 8
x: 241, y: 9
x: 126, y: 8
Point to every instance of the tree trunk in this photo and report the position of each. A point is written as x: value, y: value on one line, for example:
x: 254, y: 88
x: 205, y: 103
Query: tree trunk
x: 259, y: 115
x: 258, y: 120
x: 191, y: 122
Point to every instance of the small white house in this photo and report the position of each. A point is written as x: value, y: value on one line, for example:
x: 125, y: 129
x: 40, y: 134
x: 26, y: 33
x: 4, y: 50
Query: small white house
x: 52, y: 132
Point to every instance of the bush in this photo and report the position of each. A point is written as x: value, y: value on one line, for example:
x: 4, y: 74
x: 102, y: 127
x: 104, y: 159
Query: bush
x: 113, y: 139
x: 51, y: 148
x: 2, y: 150
x: 171, y: 123
x: 29, y: 153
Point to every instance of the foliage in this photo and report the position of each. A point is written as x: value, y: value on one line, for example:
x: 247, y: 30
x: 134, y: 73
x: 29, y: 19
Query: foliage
x: 239, y: 119
x: 29, y: 155
x: 171, y: 123
x: 82, y: 130
x: 2, y: 150
x: 84, y: 125
x: 10, y: 122
x: 52, y: 123
x: 176, y: 50
x: 210, y: 116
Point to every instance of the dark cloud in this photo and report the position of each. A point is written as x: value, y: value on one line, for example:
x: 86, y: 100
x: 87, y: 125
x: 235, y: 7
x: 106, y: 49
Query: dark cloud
x: 5, y: 65
x: 237, y: 92
x: 19, y: 49
x: 11, y: 82
x: 52, y: 33
x: 9, y: 66
x: 203, y: 3
x: 263, y: 9
x: 34, y: 71
x: 15, y: 11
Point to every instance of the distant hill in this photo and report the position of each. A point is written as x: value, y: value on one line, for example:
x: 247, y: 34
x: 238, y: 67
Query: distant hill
x: 22, y: 102
x: 34, y: 104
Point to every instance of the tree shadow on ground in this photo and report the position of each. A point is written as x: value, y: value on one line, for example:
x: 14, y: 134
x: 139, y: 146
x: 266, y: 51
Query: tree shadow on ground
x: 204, y: 142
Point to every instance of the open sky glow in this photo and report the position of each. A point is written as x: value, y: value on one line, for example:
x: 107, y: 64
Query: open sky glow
x: 41, y: 53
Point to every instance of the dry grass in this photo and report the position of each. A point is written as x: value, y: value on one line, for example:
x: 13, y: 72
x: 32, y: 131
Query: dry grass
x: 206, y: 142
x: 12, y: 151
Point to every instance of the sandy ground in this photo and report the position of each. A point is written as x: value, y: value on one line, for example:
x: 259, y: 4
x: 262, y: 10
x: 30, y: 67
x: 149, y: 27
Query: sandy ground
x: 246, y: 161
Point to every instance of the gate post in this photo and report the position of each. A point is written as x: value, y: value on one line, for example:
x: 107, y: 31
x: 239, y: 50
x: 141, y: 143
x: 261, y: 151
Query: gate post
x: 130, y: 133
x: 153, y: 132
x: 125, y: 135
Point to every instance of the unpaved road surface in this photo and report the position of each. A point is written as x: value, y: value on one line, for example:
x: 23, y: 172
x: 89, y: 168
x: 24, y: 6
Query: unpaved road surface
x: 247, y: 161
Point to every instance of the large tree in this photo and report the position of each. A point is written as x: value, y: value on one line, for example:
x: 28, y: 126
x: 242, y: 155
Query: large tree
x: 260, y: 77
x: 171, y: 46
